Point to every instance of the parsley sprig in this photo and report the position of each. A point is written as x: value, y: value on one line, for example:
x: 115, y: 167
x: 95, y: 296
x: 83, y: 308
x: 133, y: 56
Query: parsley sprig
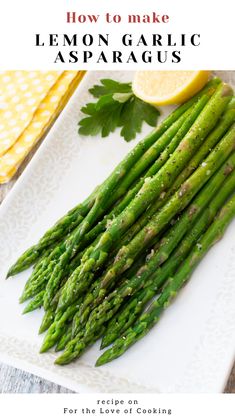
x: 117, y: 106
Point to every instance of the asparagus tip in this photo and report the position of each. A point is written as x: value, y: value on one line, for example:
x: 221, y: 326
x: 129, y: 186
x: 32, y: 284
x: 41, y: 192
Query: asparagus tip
x: 62, y: 359
x: 13, y: 270
x: 22, y: 299
x: 103, y: 344
x: 42, y: 329
x: 29, y: 308
x: 103, y: 359
x: 100, y: 362
x: 26, y: 310
x: 8, y: 274
x: 58, y: 362
x: 44, y: 348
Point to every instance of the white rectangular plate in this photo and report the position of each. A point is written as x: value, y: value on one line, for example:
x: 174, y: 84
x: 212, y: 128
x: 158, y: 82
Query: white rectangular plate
x: 192, y: 347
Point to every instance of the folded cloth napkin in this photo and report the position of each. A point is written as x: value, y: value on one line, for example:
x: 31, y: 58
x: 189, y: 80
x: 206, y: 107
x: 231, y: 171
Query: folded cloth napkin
x: 29, y: 103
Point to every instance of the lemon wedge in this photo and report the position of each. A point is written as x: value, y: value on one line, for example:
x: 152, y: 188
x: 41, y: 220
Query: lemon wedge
x: 168, y: 87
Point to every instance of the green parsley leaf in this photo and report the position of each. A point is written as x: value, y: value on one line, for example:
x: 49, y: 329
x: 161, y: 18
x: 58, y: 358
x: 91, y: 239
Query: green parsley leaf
x: 103, y: 120
x: 117, y: 106
x: 134, y: 113
x: 109, y: 86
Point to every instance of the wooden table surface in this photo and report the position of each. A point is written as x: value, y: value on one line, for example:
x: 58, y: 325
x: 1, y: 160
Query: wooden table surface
x: 13, y: 380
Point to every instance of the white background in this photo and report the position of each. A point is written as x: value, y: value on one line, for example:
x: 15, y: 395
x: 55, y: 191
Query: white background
x: 182, y: 406
x: 20, y: 20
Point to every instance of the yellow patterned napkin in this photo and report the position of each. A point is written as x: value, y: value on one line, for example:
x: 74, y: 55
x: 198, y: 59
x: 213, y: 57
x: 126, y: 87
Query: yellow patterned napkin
x: 29, y: 103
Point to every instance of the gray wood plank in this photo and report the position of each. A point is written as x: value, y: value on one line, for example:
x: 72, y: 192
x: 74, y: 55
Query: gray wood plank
x: 13, y: 380
x: 230, y: 386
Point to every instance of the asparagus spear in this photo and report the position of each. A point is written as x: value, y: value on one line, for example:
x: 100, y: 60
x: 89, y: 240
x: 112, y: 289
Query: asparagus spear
x: 103, y: 198
x: 225, y: 171
x: 170, y: 241
x: 41, y: 274
x: 89, y: 301
x: 47, y: 320
x: 40, y: 263
x: 166, y: 144
x: 62, y: 227
x: 131, y: 310
x: 194, y: 113
x: 50, y: 313
x: 137, y: 160
x: 31, y: 282
x: 35, y: 303
x: 76, y: 215
x: 65, y: 339
x: 114, y: 300
x: 58, y: 327
x: 164, y: 178
x: 38, y: 279
x: 177, y: 203
x: 152, y: 315
x: 83, y: 275
x: 56, y: 330
x: 175, y: 133
x: 42, y: 270
x: 152, y: 153
x: 127, y: 315
x: 76, y: 347
x: 57, y: 271
x: 37, y: 282
x: 37, y: 300
x: 212, y: 139
x: 224, y: 124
